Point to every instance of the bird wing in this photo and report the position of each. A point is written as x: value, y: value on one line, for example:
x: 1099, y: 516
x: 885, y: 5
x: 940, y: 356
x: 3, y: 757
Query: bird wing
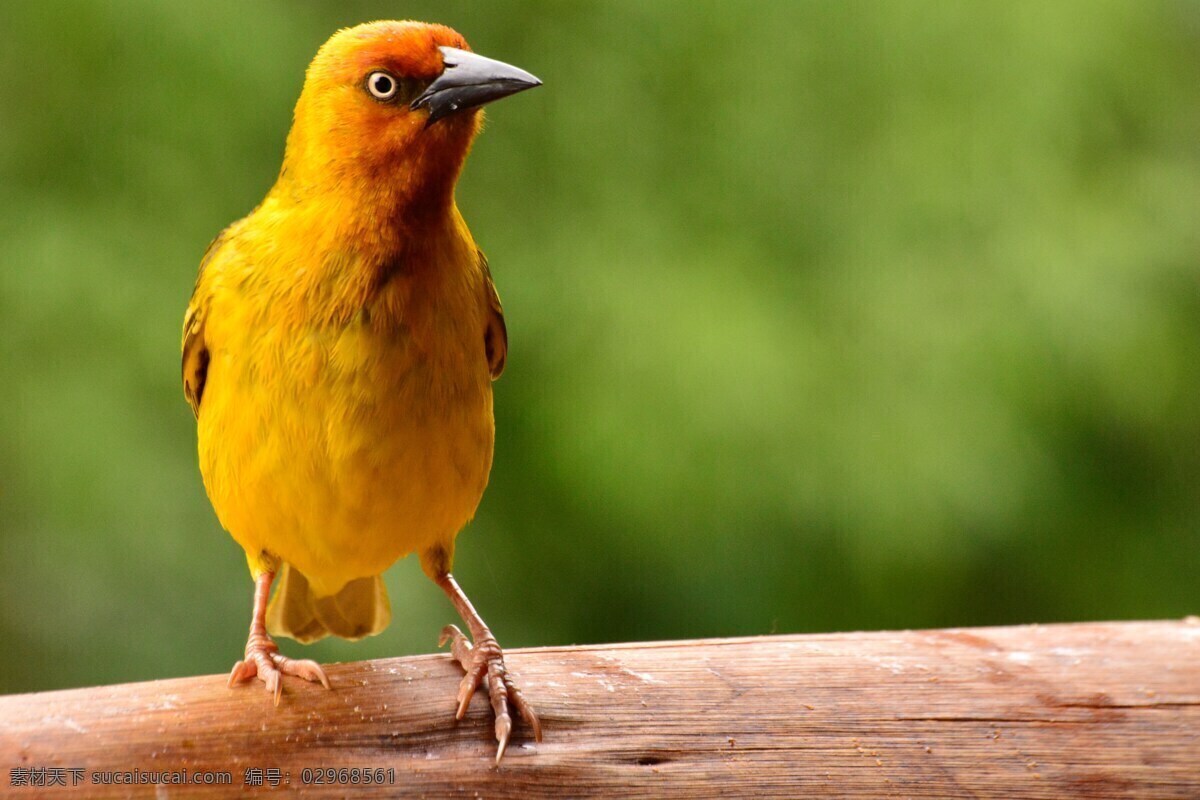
x: 495, y: 335
x: 195, y: 349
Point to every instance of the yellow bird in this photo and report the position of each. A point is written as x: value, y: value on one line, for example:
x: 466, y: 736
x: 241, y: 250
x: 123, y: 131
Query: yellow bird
x: 339, y: 349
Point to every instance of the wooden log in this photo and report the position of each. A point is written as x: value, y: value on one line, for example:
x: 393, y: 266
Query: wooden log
x: 1093, y: 710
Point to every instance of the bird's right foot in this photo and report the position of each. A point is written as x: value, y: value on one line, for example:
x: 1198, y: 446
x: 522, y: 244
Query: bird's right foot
x: 262, y: 654
x: 264, y: 660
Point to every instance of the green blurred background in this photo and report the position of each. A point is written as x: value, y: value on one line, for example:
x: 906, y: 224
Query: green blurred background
x: 823, y: 316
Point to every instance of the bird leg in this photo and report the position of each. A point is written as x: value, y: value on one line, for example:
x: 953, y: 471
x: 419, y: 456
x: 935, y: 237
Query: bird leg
x: 262, y: 654
x: 484, y: 664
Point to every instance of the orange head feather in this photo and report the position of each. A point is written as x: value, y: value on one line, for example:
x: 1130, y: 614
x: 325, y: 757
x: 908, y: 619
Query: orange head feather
x: 387, y: 114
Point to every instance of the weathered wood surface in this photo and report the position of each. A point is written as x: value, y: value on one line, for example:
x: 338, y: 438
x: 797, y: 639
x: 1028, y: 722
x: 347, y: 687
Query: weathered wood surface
x: 1071, y: 711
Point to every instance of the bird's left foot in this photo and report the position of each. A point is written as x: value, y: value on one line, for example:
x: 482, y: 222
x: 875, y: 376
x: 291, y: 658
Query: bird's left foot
x: 484, y: 662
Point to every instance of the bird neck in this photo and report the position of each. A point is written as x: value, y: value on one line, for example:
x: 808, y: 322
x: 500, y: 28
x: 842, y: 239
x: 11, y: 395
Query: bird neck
x: 359, y: 249
x: 402, y: 195
x: 367, y: 221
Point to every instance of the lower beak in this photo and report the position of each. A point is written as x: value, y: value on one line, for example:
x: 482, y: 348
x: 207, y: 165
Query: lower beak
x: 469, y: 81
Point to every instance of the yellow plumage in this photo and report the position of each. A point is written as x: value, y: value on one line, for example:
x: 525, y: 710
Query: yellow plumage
x: 340, y: 442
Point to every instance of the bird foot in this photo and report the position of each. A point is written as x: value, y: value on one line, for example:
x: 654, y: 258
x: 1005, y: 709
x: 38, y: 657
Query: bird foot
x: 483, y: 662
x: 264, y: 660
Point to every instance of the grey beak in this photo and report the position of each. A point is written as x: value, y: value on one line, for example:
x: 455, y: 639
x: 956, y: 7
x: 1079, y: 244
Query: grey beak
x: 469, y: 81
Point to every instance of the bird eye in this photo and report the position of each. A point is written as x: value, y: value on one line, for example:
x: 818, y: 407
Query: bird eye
x: 381, y: 85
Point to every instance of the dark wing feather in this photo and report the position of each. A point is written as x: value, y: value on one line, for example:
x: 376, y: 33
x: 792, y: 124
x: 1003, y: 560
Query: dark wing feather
x: 195, y: 350
x: 495, y: 335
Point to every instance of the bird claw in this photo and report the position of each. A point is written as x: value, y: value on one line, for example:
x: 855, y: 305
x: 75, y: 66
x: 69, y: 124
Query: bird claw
x: 503, y: 731
x: 450, y: 632
x: 483, y: 662
x: 264, y: 661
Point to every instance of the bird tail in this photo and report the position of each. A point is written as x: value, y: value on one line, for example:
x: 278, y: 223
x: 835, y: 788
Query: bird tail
x: 359, y: 609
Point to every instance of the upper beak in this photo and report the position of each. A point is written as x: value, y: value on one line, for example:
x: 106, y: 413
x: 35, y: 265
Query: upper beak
x: 469, y: 81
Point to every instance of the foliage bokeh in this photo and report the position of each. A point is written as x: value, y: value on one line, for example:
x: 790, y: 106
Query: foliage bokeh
x: 822, y: 316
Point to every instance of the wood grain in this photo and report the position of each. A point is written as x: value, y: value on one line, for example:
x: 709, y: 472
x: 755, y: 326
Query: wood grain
x: 1097, y: 710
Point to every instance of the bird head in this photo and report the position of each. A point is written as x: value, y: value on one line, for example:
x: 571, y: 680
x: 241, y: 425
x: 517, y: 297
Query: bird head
x: 393, y: 106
